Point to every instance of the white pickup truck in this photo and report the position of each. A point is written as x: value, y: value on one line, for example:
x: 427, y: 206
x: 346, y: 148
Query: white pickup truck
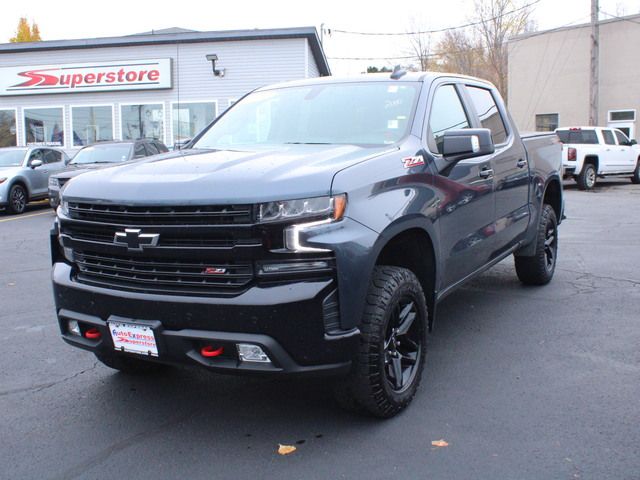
x: 592, y: 152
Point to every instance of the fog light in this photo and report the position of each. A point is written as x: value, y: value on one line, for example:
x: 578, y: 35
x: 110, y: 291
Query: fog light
x: 73, y: 328
x: 252, y: 353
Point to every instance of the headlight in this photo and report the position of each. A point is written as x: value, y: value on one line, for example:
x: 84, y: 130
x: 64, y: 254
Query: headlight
x: 330, y: 208
x: 53, y: 182
x: 63, y: 208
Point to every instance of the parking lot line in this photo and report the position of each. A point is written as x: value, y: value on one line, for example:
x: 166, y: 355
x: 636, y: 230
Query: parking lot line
x: 23, y: 216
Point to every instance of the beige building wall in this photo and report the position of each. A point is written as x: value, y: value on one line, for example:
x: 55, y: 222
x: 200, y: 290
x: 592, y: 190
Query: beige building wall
x: 549, y: 73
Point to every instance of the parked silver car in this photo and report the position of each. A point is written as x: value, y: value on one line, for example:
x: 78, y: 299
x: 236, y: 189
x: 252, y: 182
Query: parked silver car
x: 24, y: 174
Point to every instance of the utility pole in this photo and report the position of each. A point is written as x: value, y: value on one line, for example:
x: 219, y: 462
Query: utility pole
x: 595, y: 54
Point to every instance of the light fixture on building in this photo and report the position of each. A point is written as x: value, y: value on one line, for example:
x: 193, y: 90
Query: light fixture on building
x: 218, y: 72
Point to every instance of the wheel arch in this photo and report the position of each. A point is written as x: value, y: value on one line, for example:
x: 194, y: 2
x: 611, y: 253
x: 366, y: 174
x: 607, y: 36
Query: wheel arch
x: 413, y: 247
x: 593, y: 160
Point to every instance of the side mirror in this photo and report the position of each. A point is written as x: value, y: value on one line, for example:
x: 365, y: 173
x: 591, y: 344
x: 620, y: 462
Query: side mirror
x: 467, y: 143
x: 35, y: 163
x: 633, y: 142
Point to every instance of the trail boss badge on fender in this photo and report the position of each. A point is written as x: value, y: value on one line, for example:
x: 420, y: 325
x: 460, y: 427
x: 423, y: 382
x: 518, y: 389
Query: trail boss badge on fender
x: 410, y: 162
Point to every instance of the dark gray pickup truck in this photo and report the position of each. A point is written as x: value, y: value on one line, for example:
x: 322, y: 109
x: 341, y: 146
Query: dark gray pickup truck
x: 311, y: 229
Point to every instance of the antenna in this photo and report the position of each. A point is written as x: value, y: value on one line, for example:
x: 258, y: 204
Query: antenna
x: 398, y: 72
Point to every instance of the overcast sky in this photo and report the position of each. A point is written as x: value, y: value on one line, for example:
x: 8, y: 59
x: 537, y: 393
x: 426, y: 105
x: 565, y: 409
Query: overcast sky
x: 81, y: 19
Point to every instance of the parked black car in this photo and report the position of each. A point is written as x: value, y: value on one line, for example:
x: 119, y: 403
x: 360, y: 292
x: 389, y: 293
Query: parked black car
x: 311, y: 229
x: 101, y: 155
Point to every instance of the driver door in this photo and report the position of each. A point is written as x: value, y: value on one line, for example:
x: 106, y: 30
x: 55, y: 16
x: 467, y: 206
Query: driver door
x: 38, y: 176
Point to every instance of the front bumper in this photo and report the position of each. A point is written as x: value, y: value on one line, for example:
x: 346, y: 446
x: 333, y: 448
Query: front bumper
x: 286, y: 321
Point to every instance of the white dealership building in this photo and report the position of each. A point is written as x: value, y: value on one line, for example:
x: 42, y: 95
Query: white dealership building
x: 166, y: 84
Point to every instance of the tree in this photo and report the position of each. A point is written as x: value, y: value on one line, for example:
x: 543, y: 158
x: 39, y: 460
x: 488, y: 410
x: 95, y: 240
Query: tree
x: 479, y: 50
x: 498, y: 21
x: 378, y: 70
x: 26, y: 32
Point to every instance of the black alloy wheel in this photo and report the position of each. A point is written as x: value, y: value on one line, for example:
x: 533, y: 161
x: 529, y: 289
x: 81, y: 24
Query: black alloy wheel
x: 17, y: 199
x: 387, y: 367
x: 402, y: 345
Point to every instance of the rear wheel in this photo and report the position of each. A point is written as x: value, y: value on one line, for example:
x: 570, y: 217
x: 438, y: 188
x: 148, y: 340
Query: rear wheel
x: 128, y: 365
x: 587, y: 178
x: 17, y: 199
x: 388, y: 365
x: 539, y: 268
x: 635, y: 178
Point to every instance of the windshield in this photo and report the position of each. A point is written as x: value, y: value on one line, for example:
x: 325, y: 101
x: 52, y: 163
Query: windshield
x: 102, y: 154
x: 11, y: 158
x: 362, y: 113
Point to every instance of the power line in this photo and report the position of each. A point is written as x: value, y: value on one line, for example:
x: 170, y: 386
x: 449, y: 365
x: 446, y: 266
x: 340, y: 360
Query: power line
x: 440, y: 30
x: 619, y: 18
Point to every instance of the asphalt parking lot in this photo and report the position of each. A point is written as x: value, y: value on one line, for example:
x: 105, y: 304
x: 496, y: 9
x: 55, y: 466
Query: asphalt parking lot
x: 523, y: 383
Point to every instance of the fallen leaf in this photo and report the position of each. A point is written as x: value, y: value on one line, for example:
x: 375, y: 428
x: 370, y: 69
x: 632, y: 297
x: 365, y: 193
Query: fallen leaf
x: 439, y: 443
x: 286, y: 449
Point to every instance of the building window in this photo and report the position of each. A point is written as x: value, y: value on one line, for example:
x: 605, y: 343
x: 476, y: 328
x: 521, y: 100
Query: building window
x: 622, y: 115
x: 8, y: 136
x: 546, y: 122
x: 189, y: 119
x: 142, y: 121
x: 91, y: 124
x: 44, y: 125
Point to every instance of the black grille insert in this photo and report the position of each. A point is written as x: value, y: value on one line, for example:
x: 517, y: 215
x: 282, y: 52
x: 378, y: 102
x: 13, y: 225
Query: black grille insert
x: 156, y: 275
x: 183, y: 215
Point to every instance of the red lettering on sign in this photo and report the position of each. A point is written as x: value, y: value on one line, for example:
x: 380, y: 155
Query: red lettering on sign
x: 153, y: 75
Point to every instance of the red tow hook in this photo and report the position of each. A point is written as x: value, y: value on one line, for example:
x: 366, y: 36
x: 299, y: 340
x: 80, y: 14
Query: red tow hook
x: 93, y: 334
x: 209, y: 351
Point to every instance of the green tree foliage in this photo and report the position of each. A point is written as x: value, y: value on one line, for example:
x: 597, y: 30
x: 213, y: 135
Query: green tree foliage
x: 26, y: 32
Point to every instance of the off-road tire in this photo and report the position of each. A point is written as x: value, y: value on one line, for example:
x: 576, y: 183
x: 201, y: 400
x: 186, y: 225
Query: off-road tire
x: 635, y: 178
x: 368, y: 388
x: 18, y: 198
x: 588, y: 177
x: 128, y: 365
x: 539, y: 268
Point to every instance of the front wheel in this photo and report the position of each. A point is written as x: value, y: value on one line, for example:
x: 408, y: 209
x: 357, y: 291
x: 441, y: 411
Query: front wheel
x: 539, y: 268
x: 635, y: 178
x: 17, y: 199
x: 388, y: 364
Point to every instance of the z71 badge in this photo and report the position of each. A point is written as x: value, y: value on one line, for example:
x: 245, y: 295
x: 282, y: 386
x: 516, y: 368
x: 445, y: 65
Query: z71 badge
x: 410, y: 162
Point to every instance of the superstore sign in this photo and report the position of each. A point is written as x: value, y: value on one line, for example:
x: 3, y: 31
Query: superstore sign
x: 86, y: 77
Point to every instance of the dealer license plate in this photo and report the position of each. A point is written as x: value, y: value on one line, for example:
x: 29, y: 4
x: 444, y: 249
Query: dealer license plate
x: 133, y: 338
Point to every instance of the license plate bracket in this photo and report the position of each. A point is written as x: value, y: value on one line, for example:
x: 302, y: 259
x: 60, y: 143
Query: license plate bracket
x: 130, y: 337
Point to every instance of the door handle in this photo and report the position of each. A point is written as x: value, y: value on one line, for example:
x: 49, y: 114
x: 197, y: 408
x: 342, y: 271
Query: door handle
x: 486, y: 172
x: 521, y: 163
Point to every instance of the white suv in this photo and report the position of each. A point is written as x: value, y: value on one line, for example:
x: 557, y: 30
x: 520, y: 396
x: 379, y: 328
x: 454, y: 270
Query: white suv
x: 592, y: 152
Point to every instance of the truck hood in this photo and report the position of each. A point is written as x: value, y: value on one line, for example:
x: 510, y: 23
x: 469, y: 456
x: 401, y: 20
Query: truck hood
x: 75, y: 170
x: 221, y: 176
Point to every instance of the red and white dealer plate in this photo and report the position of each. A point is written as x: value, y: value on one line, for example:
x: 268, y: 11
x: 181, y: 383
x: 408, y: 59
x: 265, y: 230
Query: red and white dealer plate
x: 133, y: 338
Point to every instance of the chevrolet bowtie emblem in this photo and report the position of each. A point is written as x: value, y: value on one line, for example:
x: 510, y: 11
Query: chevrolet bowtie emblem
x: 133, y: 239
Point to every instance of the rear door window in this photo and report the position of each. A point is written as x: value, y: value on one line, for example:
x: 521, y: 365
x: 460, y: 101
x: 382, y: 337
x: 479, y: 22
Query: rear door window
x: 151, y: 148
x: 447, y: 113
x: 52, y: 156
x: 488, y: 113
x: 608, y: 137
